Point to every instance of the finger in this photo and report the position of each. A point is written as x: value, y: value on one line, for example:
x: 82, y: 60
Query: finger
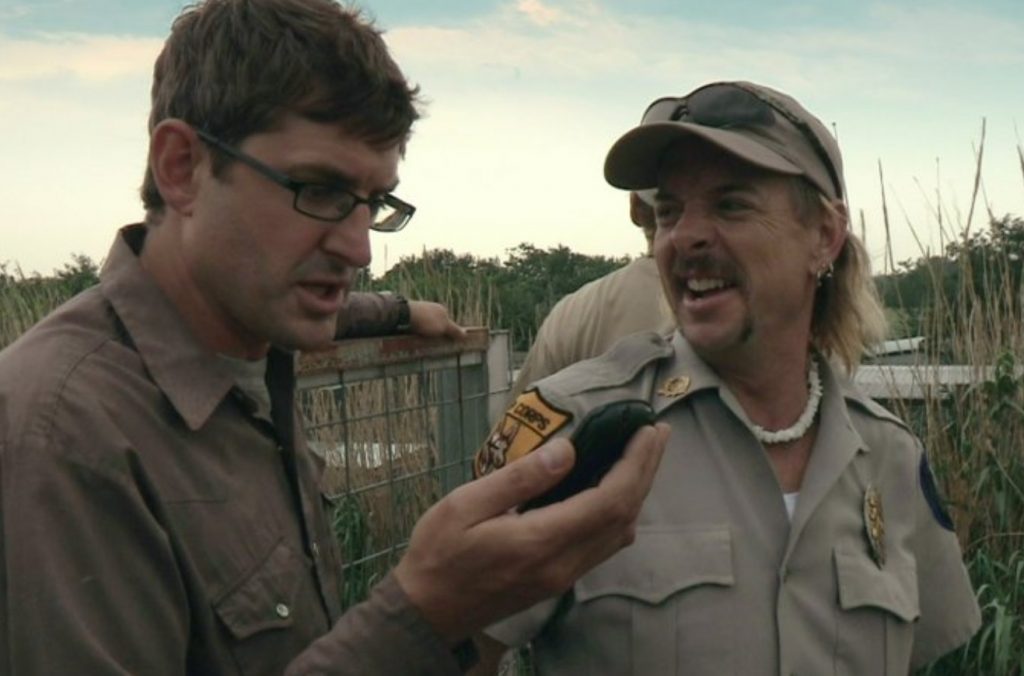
x: 617, y: 499
x: 516, y: 482
x: 453, y: 330
x: 647, y: 454
x: 596, y: 523
x: 426, y: 317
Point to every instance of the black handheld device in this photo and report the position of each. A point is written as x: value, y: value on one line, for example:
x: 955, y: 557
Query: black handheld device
x: 600, y: 441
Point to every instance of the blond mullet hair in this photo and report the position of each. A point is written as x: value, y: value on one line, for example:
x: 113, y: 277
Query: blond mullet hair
x: 848, y: 316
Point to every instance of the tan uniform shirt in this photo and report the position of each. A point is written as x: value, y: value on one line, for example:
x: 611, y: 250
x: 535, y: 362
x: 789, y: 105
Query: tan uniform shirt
x: 718, y: 580
x: 590, y: 320
x: 153, y: 525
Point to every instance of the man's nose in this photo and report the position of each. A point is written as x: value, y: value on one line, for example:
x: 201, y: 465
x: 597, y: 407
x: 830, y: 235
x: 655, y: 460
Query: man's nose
x: 692, y: 232
x: 349, y: 239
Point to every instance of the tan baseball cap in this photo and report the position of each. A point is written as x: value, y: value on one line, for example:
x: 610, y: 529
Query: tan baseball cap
x: 755, y: 123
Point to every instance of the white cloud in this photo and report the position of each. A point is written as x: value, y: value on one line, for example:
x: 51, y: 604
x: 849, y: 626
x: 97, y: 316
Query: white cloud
x: 538, y: 12
x: 71, y: 171
x: 91, y: 58
x: 525, y: 103
x: 585, y: 41
x: 895, y: 89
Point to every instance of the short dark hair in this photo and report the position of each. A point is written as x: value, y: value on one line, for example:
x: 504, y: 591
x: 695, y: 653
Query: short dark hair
x: 235, y: 67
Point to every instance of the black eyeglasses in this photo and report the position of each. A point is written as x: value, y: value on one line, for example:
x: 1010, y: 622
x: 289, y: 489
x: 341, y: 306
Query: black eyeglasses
x: 325, y: 201
x: 730, y: 105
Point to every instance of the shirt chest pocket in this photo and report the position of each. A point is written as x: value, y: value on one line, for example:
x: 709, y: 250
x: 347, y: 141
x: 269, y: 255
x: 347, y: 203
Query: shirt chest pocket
x: 267, y: 612
x: 878, y: 607
x: 666, y: 596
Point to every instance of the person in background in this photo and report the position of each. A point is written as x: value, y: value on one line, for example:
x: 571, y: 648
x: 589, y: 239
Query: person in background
x: 794, y: 526
x: 160, y: 507
x: 588, y: 321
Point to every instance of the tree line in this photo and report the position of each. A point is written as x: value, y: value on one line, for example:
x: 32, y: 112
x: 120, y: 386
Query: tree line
x: 516, y: 292
x: 977, y: 276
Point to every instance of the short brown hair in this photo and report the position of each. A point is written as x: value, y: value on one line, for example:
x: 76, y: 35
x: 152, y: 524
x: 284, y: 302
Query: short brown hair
x: 235, y: 67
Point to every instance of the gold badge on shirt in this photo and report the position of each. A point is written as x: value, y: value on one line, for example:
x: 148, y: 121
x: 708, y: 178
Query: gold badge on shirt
x: 676, y: 386
x: 527, y: 424
x: 874, y: 524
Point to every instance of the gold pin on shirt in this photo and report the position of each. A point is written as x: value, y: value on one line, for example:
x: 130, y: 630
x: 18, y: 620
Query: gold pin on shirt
x: 676, y: 386
x: 874, y: 524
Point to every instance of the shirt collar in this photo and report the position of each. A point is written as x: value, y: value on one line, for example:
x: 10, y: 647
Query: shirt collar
x: 189, y: 374
x: 682, y: 375
x: 686, y: 364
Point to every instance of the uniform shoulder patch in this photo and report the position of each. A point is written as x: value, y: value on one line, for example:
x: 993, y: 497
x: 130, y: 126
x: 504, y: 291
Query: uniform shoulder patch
x: 527, y: 424
x: 931, y: 494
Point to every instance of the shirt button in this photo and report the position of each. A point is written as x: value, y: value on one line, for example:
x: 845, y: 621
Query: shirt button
x: 282, y: 611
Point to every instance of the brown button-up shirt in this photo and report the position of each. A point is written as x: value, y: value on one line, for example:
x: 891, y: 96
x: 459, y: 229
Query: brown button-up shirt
x: 153, y: 525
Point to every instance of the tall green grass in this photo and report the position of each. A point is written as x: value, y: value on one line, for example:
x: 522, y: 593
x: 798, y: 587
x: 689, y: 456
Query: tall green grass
x: 375, y: 505
x: 975, y: 439
x: 468, y: 295
x: 23, y: 301
x: 974, y: 435
x: 380, y: 438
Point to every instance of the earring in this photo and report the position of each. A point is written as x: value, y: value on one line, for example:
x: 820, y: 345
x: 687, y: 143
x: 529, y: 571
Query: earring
x: 825, y: 272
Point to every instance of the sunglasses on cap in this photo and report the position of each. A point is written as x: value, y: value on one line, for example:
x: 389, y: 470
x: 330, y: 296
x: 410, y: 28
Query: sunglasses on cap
x: 731, y: 105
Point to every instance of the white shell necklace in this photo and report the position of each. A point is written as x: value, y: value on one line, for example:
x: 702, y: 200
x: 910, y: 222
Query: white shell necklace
x: 798, y: 429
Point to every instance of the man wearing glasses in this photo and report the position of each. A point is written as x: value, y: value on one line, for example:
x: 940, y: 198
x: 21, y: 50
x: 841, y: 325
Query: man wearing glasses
x: 794, y: 526
x: 160, y: 509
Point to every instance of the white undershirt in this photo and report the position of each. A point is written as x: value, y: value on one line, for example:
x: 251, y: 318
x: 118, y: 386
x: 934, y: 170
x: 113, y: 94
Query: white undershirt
x: 790, y: 500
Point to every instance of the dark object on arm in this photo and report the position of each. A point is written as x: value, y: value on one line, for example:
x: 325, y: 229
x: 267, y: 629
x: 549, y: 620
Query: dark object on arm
x: 599, y: 441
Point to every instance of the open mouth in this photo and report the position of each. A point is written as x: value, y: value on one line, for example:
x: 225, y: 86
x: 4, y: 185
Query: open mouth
x: 321, y: 298
x: 324, y: 291
x: 704, y: 287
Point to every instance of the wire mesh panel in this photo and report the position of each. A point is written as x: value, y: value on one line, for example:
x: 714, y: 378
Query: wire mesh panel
x: 397, y: 421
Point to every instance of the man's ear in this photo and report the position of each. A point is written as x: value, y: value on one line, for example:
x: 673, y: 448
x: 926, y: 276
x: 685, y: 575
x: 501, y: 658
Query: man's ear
x: 175, y: 152
x: 641, y: 211
x: 833, y: 231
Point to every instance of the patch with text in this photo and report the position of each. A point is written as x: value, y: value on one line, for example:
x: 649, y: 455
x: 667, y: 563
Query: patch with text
x: 527, y: 424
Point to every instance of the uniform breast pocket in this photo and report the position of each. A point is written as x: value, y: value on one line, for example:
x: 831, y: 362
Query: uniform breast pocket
x: 261, y: 612
x: 662, y: 605
x: 878, y: 607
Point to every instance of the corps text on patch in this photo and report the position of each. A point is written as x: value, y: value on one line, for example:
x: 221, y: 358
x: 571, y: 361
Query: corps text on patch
x: 527, y: 424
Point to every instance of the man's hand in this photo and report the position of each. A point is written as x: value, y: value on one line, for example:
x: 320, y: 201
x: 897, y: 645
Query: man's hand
x: 431, y: 320
x: 472, y: 560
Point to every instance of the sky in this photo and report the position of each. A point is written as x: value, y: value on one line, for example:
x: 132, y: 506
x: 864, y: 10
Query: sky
x: 523, y: 100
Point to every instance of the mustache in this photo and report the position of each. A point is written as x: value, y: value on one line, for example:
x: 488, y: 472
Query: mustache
x: 703, y: 265
x: 324, y: 266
